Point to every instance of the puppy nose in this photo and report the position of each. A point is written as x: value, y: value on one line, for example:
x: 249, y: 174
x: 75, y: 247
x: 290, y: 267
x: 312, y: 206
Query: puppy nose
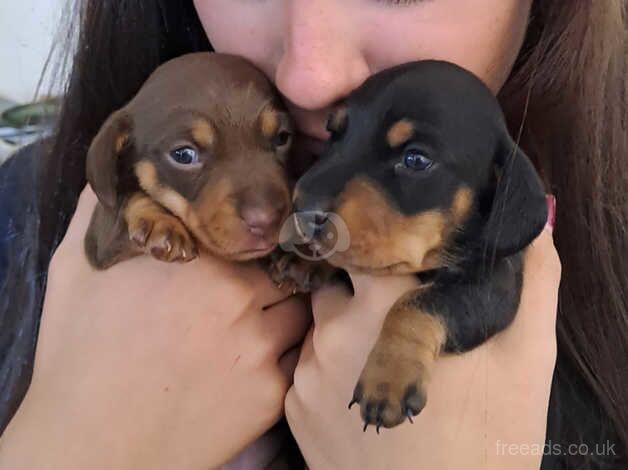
x: 311, y: 202
x: 261, y: 220
x: 310, y: 224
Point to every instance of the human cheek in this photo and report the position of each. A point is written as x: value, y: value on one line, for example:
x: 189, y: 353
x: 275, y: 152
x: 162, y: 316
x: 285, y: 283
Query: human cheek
x: 246, y: 29
x: 483, y: 36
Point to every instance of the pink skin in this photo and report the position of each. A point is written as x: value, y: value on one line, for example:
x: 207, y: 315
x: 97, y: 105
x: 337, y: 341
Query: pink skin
x: 316, y: 52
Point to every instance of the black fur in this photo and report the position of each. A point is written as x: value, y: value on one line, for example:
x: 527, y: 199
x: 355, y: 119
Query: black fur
x: 458, y: 124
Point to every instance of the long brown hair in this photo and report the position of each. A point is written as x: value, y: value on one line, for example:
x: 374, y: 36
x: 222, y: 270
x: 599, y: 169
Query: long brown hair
x: 567, y: 92
x: 572, y: 76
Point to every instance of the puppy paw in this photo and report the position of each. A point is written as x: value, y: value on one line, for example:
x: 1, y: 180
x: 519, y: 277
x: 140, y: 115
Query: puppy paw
x: 392, y: 386
x: 164, y: 237
x: 296, y: 274
x: 155, y: 231
x: 393, y: 383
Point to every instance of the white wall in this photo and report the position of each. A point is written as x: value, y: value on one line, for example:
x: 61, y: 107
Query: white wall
x: 27, y: 28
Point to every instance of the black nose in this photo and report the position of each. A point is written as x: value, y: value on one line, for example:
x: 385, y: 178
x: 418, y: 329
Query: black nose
x: 310, y: 224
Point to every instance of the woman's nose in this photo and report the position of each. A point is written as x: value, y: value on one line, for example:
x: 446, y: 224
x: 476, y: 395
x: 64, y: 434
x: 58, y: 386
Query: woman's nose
x: 321, y: 60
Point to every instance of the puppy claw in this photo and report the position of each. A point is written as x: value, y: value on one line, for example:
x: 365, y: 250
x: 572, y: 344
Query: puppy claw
x: 295, y: 274
x: 140, y: 234
x: 388, y: 397
x: 366, y: 425
x: 163, y: 236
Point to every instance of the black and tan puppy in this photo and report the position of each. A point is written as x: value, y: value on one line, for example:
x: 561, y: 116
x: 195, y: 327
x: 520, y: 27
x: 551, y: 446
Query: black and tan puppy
x: 423, y: 173
x: 195, y: 161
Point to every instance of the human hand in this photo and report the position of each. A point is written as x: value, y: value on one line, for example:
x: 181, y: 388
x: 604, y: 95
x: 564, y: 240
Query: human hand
x: 479, y: 402
x: 152, y: 365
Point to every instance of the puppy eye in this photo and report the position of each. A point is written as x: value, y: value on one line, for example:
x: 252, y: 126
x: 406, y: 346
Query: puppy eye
x: 282, y: 138
x: 184, y: 155
x: 415, y: 160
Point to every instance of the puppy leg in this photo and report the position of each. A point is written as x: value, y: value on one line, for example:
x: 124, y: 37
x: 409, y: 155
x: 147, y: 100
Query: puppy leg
x: 393, y: 383
x: 107, y: 240
x: 296, y: 274
x: 156, y: 231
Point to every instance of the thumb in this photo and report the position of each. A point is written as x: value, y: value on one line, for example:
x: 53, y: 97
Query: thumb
x: 81, y: 218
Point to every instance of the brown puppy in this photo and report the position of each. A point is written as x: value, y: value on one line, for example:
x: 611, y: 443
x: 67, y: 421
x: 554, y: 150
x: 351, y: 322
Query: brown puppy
x: 195, y: 161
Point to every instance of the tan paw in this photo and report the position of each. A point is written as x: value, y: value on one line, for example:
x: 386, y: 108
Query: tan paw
x: 163, y: 236
x: 392, y: 386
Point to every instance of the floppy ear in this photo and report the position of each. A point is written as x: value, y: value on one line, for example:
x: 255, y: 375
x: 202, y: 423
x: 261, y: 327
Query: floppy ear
x: 103, y: 154
x: 519, y: 211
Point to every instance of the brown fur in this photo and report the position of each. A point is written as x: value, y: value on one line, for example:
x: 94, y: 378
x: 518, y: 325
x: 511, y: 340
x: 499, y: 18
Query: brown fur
x: 202, y: 133
x: 463, y: 199
x: 229, y: 201
x: 400, y: 364
x: 269, y: 123
x: 158, y: 231
x: 384, y: 241
x: 399, y: 133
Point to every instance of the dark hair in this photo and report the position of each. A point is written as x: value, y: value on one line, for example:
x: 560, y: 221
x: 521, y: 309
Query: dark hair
x: 567, y: 93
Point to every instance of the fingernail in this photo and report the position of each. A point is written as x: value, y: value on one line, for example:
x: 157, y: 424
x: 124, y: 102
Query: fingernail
x: 550, y: 199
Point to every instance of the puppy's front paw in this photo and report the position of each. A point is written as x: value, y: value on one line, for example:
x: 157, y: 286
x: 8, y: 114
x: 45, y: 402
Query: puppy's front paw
x: 392, y: 386
x: 393, y: 383
x: 296, y: 274
x: 165, y: 238
x: 155, y: 231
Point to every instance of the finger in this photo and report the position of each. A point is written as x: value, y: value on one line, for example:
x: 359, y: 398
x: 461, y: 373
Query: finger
x: 267, y: 293
x: 328, y: 300
x: 535, y: 321
x: 374, y: 296
x: 72, y: 243
x: 286, y: 323
x: 82, y: 216
x: 288, y: 363
x: 371, y: 287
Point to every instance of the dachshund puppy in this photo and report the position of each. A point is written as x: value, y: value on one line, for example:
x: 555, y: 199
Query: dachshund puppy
x: 195, y: 161
x: 421, y: 170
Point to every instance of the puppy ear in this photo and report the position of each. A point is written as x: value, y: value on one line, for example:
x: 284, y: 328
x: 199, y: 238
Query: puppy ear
x: 103, y: 155
x: 519, y: 211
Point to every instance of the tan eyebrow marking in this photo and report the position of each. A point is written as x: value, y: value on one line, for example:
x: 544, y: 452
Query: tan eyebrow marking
x: 120, y: 142
x: 399, y: 133
x: 269, y: 122
x: 461, y: 203
x: 338, y: 120
x: 202, y: 133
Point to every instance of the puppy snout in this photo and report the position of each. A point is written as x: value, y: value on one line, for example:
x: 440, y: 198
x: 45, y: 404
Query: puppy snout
x: 261, y: 221
x: 304, y: 202
x: 310, y: 224
x: 263, y: 210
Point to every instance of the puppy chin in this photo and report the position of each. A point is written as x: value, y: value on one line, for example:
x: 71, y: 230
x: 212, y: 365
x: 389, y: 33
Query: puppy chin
x: 365, y: 265
x: 252, y: 248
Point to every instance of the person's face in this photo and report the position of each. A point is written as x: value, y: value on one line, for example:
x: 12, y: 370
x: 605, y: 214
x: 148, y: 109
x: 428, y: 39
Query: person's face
x: 317, y: 51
